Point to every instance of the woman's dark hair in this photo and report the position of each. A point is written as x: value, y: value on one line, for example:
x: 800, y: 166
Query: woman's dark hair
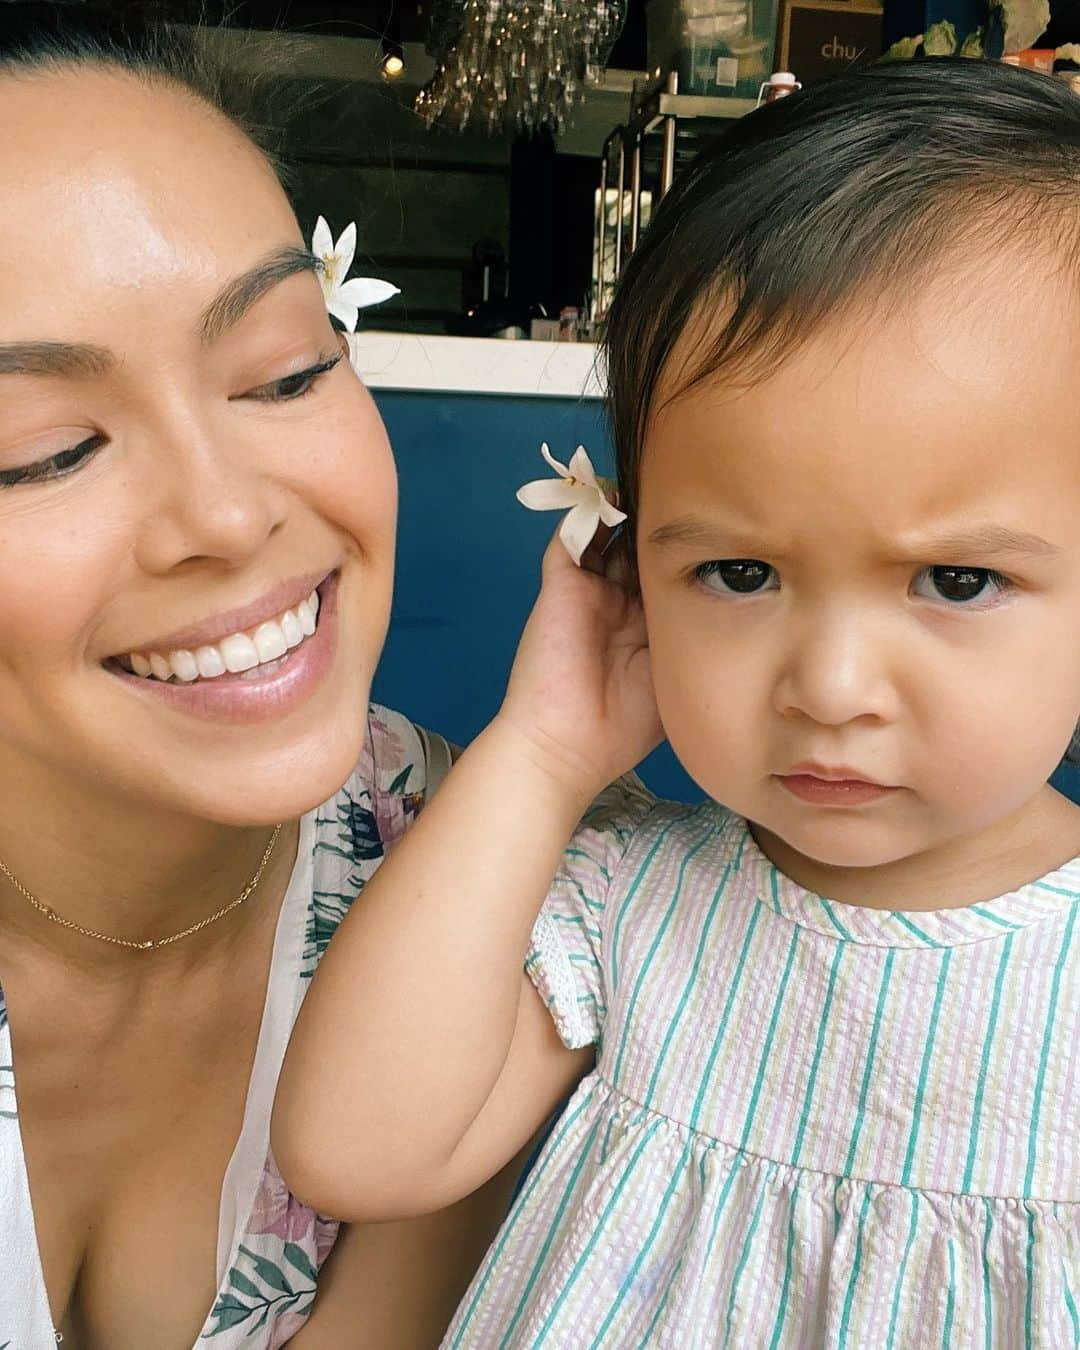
x: 842, y: 193
x: 38, y: 37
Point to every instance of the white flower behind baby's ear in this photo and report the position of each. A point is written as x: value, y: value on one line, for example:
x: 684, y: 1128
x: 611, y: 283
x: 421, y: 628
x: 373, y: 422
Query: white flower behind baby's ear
x: 578, y: 489
x: 345, y: 299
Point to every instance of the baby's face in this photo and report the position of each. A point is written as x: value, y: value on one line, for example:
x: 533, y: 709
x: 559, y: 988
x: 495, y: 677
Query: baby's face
x: 867, y: 567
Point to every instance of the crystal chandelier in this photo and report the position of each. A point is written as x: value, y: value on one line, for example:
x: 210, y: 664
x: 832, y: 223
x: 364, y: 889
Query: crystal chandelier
x: 517, y: 65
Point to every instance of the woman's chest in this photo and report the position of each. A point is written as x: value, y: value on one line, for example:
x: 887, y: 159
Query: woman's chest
x: 127, y: 1128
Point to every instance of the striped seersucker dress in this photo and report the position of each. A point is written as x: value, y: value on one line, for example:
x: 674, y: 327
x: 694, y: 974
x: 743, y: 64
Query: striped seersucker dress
x: 810, y: 1124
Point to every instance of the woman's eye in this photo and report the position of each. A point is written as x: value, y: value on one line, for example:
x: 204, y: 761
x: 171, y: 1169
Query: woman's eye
x: 739, y: 576
x: 960, y: 585
x: 291, y: 387
x: 56, y: 466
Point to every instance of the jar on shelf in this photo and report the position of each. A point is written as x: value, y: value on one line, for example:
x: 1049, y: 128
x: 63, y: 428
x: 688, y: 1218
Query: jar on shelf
x: 778, y: 85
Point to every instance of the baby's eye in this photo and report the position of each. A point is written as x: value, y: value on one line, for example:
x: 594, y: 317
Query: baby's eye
x: 960, y: 585
x: 738, y: 576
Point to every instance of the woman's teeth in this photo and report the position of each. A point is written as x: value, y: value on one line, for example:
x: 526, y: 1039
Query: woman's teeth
x: 236, y: 653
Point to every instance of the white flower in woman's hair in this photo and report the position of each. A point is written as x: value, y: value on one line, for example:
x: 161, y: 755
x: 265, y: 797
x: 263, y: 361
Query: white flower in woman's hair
x: 578, y: 488
x: 345, y: 299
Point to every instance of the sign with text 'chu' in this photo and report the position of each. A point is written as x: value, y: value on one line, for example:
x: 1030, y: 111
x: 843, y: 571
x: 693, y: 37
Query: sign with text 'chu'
x: 825, y: 37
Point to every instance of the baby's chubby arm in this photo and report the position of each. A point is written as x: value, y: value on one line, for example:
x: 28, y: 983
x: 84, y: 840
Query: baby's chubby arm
x: 423, y: 1059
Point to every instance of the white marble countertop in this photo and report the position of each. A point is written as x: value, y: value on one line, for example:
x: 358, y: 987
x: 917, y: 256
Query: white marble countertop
x: 476, y: 365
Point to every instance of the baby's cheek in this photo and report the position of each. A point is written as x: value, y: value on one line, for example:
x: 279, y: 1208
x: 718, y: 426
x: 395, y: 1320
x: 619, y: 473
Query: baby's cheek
x: 985, y: 754
x: 704, y: 711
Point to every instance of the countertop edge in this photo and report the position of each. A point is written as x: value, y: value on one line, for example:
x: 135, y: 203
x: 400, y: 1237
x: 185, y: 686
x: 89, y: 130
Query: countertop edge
x: 476, y: 365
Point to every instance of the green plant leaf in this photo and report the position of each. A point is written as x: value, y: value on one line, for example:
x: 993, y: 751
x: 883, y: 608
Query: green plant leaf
x: 974, y: 45
x: 268, y: 1272
x: 240, y: 1281
x: 940, y: 39
x: 229, y: 1315
x: 904, y: 49
x: 299, y: 1260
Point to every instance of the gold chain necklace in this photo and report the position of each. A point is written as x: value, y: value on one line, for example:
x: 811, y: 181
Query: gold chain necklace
x: 150, y: 943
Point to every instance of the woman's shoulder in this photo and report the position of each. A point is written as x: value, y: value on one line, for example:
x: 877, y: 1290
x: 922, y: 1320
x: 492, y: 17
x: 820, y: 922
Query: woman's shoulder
x: 399, y: 767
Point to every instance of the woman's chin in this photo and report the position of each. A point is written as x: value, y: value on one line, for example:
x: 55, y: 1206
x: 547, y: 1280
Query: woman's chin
x: 281, y: 782
x: 239, y: 773
x: 247, y: 747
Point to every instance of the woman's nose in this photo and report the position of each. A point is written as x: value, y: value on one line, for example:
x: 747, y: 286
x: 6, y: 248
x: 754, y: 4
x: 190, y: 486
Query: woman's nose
x: 209, y: 501
x: 836, y: 669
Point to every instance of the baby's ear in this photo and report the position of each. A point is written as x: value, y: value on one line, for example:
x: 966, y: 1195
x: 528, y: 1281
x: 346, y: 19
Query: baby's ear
x: 621, y: 555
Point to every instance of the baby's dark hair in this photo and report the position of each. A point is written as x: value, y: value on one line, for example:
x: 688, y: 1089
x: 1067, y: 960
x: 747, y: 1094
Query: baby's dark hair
x: 38, y: 37
x: 843, y: 193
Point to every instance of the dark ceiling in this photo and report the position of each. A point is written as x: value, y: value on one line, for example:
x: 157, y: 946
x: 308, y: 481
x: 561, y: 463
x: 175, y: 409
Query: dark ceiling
x: 361, y: 18
x: 404, y: 20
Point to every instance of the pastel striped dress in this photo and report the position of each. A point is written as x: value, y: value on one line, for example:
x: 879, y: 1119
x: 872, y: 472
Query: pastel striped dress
x: 810, y: 1124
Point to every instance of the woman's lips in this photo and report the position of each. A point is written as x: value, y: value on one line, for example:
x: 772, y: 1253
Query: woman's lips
x: 264, y: 692
x: 808, y: 787
x: 285, y: 595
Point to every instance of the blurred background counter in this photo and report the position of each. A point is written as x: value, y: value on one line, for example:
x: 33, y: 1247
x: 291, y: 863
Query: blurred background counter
x: 466, y: 418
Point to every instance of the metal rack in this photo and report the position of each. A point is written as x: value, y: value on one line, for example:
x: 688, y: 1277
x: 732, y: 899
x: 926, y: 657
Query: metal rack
x: 639, y: 163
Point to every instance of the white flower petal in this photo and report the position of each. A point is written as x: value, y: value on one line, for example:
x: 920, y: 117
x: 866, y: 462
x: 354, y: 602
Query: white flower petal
x: 322, y: 241
x: 365, y: 291
x: 581, y: 468
x: 579, y: 527
x: 560, y: 469
x: 551, y: 494
x: 343, y: 310
x: 345, y: 248
x: 609, y: 514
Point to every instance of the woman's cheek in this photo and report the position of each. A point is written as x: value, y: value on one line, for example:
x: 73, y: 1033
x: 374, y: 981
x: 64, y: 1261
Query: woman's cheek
x: 64, y: 554
x: 347, y: 472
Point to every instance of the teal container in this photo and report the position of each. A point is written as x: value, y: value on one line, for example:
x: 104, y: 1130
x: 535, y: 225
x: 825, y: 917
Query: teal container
x: 718, y: 47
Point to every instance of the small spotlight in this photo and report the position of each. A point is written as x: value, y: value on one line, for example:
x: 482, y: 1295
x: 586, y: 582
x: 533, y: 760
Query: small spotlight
x: 392, y: 60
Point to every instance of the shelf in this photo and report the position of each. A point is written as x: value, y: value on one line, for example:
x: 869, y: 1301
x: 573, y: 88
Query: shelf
x: 658, y: 105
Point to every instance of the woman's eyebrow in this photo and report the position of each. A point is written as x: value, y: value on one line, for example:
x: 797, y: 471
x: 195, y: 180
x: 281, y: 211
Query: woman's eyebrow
x: 54, y: 358
x: 235, y: 299
x: 226, y: 309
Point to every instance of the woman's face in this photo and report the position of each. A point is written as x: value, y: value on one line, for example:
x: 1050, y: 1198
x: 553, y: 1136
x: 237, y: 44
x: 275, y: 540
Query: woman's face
x: 170, y: 478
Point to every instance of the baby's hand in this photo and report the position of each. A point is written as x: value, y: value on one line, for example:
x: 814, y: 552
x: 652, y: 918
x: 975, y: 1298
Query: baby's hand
x: 580, y: 699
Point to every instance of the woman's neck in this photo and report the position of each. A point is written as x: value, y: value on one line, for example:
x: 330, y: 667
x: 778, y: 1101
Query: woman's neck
x: 124, y: 868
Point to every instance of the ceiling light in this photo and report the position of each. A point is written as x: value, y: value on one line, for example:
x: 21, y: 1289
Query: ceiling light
x: 393, y: 65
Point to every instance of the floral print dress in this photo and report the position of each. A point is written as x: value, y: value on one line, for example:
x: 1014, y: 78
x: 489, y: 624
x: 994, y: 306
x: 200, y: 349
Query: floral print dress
x: 270, y: 1246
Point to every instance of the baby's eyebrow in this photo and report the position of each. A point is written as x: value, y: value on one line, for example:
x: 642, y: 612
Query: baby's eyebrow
x: 978, y: 541
x: 684, y: 530
x: 983, y: 539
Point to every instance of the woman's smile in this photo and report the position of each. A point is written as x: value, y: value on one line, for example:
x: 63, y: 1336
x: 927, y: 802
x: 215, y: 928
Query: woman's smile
x: 259, y: 670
